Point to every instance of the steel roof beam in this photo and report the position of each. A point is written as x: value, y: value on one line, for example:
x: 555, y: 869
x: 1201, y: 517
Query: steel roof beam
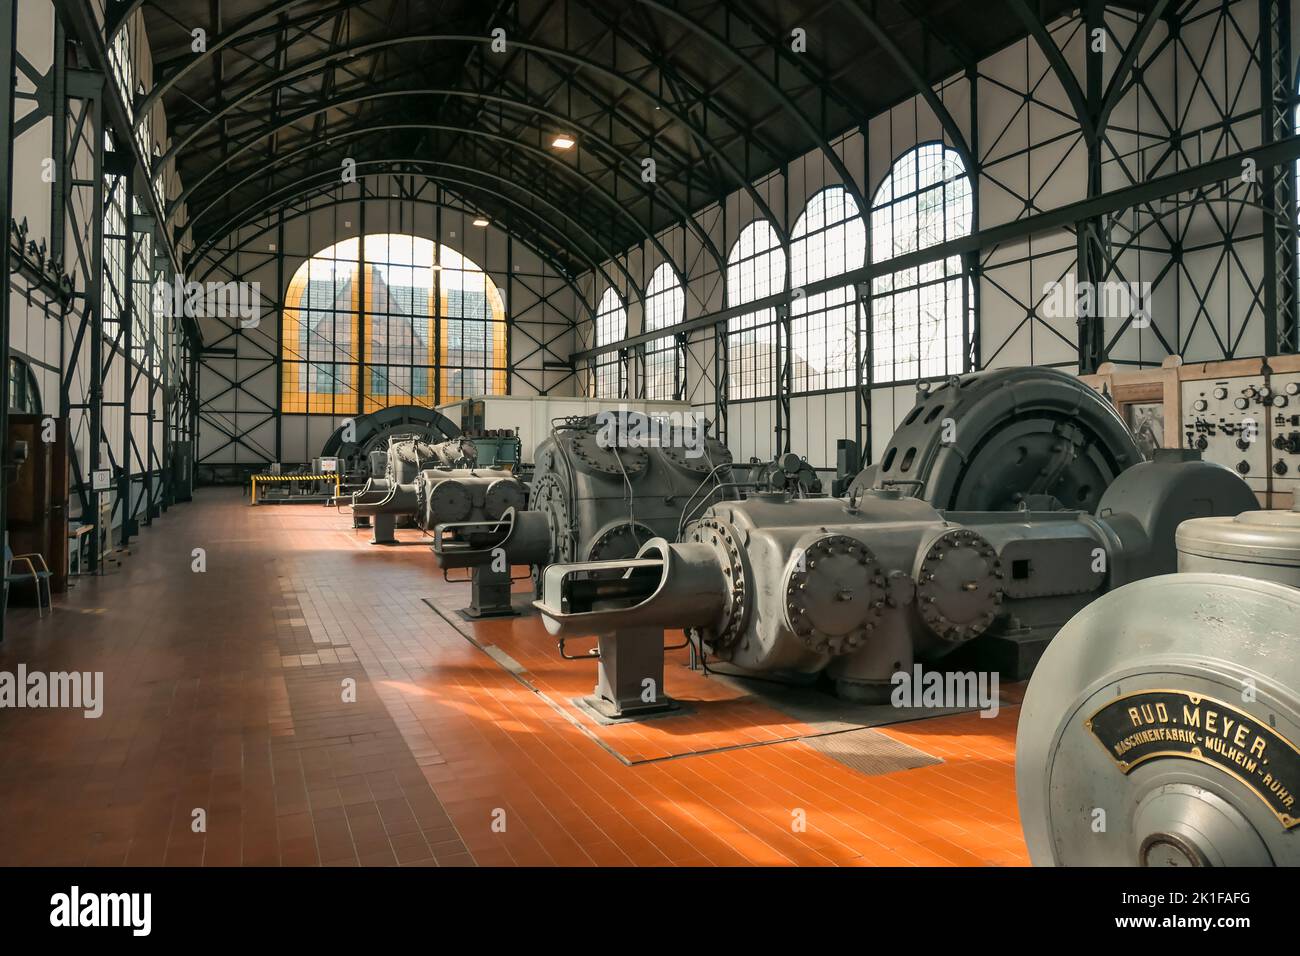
x: 318, y: 63
x: 169, y: 72
x: 1064, y: 75
x: 313, y: 147
x: 307, y: 210
x: 819, y: 138
x: 588, y: 134
x: 919, y: 83
x: 1118, y: 82
x: 418, y: 162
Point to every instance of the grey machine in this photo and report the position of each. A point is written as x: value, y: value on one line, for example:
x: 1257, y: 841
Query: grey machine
x: 404, y: 458
x: 1169, y: 710
x: 787, y: 471
x: 601, y: 490
x: 1005, y: 502
x: 362, y: 442
x: 425, y: 485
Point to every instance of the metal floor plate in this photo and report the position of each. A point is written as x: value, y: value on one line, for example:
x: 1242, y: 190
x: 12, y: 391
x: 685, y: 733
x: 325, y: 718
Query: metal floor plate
x: 870, y: 752
x: 822, y: 710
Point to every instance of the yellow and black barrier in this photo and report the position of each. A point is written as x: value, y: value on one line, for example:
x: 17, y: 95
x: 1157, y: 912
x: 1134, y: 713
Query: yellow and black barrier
x: 282, y: 478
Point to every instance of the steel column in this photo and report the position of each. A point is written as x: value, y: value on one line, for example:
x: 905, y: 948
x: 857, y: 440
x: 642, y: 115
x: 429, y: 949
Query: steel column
x: 8, y: 55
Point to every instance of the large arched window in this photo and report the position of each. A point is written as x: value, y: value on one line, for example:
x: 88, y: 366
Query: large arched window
x: 611, y: 326
x: 919, y: 315
x: 829, y: 238
x: 664, y: 304
x: 390, y: 320
x: 755, y: 270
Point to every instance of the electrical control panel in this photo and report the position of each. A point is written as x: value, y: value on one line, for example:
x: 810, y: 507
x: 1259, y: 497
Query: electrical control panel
x: 1284, y: 432
x: 1250, y: 423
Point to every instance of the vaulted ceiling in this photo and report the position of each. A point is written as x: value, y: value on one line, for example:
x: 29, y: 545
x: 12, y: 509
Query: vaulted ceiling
x: 711, y: 91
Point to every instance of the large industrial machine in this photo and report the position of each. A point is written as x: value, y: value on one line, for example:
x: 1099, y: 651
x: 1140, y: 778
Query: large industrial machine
x: 1005, y: 502
x: 355, y: 453
x: 529, y: 418
x: 1005, y: 439
x: 604, y: 485
x: 362, y: 443
x: 787, y: 471
x: 428, y: 484
x: 1162, y: 727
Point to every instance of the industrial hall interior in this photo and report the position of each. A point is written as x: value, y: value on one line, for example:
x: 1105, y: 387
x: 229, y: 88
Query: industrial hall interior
x: 650, y: 433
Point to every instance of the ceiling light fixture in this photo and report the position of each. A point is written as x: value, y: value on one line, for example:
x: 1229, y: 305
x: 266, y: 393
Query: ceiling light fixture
x: 563, y: 141
x: 480, y: 222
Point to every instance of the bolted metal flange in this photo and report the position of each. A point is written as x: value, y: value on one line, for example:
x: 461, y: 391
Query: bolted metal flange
x: 958, y: 585
x: 700, y: 463
x: 612, y: 461
x: 835, y: 593
x: 709, y: 530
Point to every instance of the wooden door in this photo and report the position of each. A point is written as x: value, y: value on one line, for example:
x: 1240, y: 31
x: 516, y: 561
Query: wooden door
x: 38, y: 494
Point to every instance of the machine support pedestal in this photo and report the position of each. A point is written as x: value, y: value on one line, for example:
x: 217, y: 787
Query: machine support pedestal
x: 630, y: 679
x: 489, y: 594
x: 385, y: 529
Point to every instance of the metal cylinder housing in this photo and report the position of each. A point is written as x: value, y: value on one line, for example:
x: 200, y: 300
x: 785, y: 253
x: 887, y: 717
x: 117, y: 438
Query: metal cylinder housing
x: 1258, y: 544
x: 1170, y: 709
x: 995, y: 440
x: 467, y: 494
x: 606, y: 498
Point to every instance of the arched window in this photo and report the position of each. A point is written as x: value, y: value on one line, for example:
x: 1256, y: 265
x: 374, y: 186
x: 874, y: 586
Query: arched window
x: 611, y: 326
x: 396, y: 318
x: 664, y: 304
x: 24, y: 391
x: 755, y: 270
x: 829, y: 238
x: 115, y: 269
x: 919, y: 315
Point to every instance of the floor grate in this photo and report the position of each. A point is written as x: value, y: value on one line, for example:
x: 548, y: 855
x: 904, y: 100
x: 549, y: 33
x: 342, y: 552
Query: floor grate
x: 871, y: 752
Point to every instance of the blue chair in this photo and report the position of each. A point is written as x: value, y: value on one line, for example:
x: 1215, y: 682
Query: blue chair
x: 36, y: 575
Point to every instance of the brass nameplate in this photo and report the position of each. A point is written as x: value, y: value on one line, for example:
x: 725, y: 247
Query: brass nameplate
x: 1175, y: 723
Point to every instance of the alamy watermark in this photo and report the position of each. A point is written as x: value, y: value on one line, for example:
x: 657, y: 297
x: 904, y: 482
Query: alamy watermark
x: 1111, y: 299
x: 215, y: 300
x: 74, y: 690
x: 954, y: 689
x: 624, y: 428
x: 76, y: 908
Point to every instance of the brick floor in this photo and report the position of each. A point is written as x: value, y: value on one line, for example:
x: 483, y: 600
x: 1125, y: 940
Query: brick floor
x: 303, y: 697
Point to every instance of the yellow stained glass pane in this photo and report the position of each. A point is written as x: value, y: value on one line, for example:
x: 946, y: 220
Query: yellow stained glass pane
x: 392, y: 343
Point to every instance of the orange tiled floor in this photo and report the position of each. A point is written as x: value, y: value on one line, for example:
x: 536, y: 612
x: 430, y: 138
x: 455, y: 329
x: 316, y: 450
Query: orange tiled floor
x: 224, y: 692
